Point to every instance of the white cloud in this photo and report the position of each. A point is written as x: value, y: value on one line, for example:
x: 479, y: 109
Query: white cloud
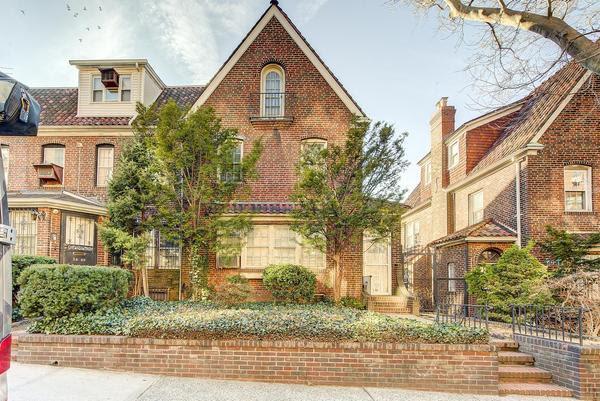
x: 308, y: 8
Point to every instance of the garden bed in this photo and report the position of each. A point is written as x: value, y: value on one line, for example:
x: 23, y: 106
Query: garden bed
x: 142, y: 317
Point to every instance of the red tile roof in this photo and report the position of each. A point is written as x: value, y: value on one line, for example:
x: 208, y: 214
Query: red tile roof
x: 59, y: 105
x: 261, y: 207
x: 488, y: 228
x: 538, y: 107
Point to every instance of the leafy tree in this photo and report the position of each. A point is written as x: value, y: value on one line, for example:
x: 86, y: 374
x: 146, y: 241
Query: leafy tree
x: 346, y: 190
x: 570, y: 251
x: 133, y: 194
x: 201, y: 176
x: 518, y: 278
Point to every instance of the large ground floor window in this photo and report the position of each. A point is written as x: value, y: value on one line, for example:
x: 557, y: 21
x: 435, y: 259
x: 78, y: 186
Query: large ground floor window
x: 272, y: 244
x: 162, y: 253
x: 24, y: 222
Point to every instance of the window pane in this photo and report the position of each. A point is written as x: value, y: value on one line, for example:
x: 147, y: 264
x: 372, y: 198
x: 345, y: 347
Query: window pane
x: 312, y: 258
x: 25, y: 224
x: 169, y: 254
x: 125, y: 95
x: 285, y: 245
x: 54, y: 154
x: 476, y: 208
x: 273, y: 82
x: 97, y: 85
x: 151, y: 251
x: 125, y: 82
x: 111, y: 96
x: 79, y: 231
x: 234, y: 173
x: 105, y: 156
x: 257, y: 248
x: 451, y: 275
x: 575, y: 200
x: 575, y: 180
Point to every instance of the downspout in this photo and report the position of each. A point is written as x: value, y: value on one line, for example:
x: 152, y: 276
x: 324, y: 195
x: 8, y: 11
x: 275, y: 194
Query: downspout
x: 518, y: 199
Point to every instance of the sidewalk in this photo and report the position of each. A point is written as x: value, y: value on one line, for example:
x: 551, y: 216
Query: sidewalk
x: 49, y: 383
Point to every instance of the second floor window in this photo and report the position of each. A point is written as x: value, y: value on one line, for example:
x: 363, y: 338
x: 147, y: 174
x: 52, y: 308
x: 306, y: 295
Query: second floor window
x: 272, y: 96
x: 105, y: 155
x: 234, y: 171
x: 54, y: 154
x: 476, y: 207
x: 5, y: 162
x: 578, y: 188
x: 453, y: 154
x: 412, y: 234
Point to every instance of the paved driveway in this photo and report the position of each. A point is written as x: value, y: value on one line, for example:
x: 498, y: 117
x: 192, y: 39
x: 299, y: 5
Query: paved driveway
x: 49, y: 383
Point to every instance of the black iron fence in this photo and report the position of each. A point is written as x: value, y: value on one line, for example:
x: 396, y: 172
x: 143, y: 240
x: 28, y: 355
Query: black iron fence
x: 474, y: 316
x: 549, y: 321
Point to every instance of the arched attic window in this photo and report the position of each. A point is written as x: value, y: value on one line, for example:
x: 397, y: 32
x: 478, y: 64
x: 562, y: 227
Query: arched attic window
x: 272, y: 88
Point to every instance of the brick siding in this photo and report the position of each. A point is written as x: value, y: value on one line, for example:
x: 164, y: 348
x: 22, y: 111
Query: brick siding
x: 433, y: 367
x: 572, y: 366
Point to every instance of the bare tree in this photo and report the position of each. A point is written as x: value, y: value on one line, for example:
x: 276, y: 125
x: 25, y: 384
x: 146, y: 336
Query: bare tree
x: 513, y: 38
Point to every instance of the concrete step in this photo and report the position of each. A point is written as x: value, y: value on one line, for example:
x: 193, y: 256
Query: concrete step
x: 514, y: 358
x: 537, y: 389
x: 523, y: 374
x: 505, y: 345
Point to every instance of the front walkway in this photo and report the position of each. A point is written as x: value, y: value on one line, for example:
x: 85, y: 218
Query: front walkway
x: 48, y: 383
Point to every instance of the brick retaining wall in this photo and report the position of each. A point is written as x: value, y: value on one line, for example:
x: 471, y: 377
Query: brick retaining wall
x: 434, y: 367
x: 572, y: 366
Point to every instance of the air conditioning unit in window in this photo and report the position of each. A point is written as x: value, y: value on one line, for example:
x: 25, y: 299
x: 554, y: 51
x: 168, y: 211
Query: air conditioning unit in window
x: 110, y: 78
x: 49, y: 173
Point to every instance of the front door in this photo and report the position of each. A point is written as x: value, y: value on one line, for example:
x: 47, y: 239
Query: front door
x: 377, y: 264
x: 78, y: 239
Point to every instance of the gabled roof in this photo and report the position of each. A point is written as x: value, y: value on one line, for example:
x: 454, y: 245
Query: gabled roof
x: 274, y: 11
x: 59, y: 106
x: 538, y: 108
x: 485, y: 229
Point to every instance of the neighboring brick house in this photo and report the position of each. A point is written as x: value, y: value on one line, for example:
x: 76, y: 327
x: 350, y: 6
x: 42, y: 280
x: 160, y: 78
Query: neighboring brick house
x: 500, y: 179
x: 274, y: 87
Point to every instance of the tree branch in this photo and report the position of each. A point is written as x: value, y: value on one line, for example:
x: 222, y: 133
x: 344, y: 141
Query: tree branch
x: 579, y: 47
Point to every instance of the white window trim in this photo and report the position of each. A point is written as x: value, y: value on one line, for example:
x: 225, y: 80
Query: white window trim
x: 5, y: 162
x: 587, y: 190
x: 263, y: 86
x: 451, y: 283
x: 427, y: 173
x: 112, y: 168
x: 415, y: 236
x: 451, y: 163
x: 313, y: 141
x: 470, y: 209
x: 239, y: 140
x: 104, y: 90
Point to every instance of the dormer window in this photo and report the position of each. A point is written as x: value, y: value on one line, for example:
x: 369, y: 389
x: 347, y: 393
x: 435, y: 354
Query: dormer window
x: 272, y: 99
x: 427, y: 173
x: 453, y: 154
x: 114, y: 94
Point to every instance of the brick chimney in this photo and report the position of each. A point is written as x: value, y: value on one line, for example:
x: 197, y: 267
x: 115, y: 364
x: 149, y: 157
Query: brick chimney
x: 441, y: 125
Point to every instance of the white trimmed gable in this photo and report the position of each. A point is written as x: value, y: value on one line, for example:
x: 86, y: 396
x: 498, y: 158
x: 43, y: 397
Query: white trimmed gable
x: 275, y: 12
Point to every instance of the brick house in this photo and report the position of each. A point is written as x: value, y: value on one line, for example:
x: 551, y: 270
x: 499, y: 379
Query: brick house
x: 500, y: 179
x: 273, y: 86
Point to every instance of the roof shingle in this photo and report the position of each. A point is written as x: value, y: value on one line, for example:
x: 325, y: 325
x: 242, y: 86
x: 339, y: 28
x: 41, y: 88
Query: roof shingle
x: 484, y: 229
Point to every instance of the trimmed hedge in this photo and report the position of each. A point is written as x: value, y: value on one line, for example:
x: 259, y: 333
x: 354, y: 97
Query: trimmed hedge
x: 142, y: 317
x: 56, y: 291
x: 290, y: 283
x: 19, y: 263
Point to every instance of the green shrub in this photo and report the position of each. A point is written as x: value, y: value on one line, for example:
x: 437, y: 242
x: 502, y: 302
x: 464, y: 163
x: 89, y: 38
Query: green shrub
x: 234, y: 291
x: 517, y: 278
x: 55, y: 291
x: 19, y: 263
x: 290, y: 283
x: 355, y: 303
x: 142, y: 317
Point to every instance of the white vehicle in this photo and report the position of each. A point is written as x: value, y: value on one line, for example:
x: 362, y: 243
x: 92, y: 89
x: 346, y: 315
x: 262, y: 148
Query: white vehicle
x: 19, y: 115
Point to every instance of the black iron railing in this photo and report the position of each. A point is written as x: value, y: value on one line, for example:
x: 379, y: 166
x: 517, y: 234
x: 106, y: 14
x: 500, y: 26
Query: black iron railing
x: 549, y: 321
x: 475, y: 316
x: 271, y: 106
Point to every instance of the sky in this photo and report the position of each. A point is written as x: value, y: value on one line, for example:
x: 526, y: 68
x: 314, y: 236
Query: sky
x: 396, y: 63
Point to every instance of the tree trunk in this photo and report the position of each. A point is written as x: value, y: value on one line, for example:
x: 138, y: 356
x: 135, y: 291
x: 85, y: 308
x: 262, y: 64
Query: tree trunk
x: 145, y: 286
x: 337, y: 281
